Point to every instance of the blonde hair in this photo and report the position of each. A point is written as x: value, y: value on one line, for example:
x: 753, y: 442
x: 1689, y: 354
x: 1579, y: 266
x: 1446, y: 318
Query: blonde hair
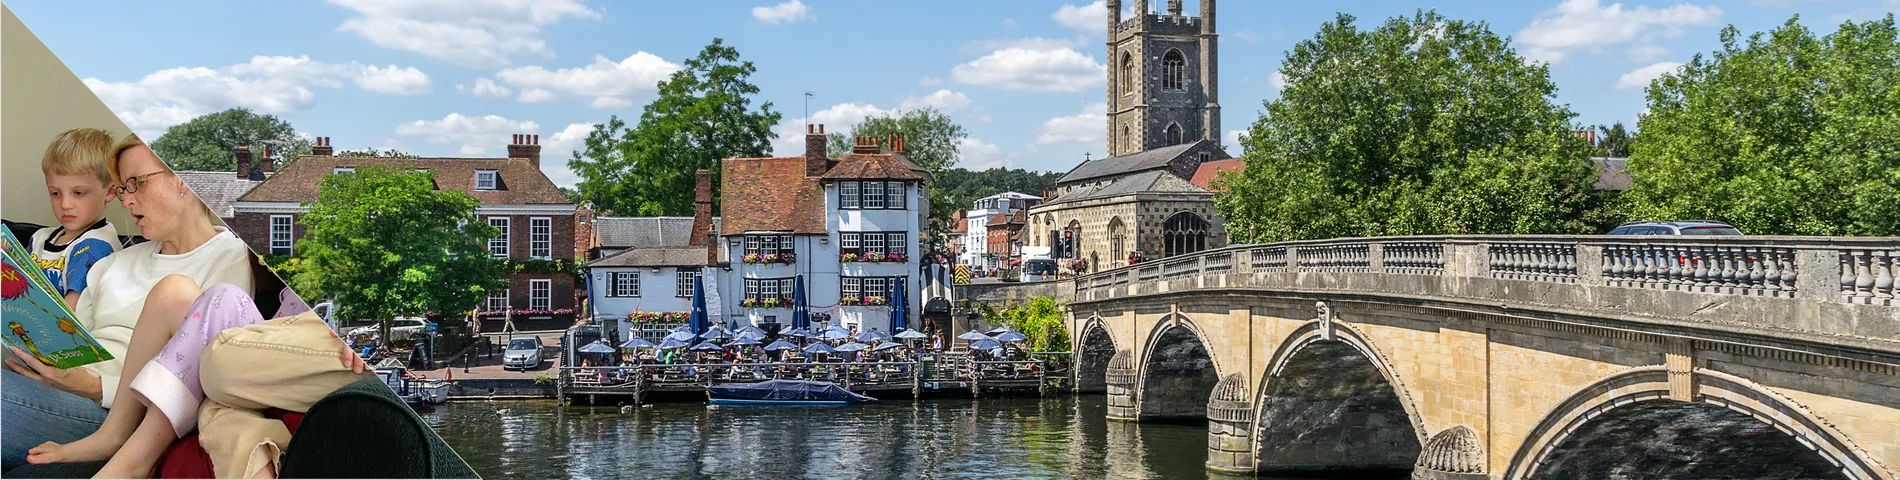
x: 130, y: 140
x: 82, y: 151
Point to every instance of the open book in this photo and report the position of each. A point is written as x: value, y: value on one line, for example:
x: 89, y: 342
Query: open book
x: 38, y: 320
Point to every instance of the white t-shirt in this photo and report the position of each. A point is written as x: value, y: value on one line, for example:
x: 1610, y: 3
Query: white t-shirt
x: 118, y: 285
x: 67, y: 265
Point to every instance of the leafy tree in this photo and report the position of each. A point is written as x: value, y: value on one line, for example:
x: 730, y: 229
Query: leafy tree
x: 1613, y: 141
x: 703, y: 113
x: 206, y: 143
x: 1425, y: 125
x: 1040, y: 320
x: 385, y: 244
x: 385, y: 153
x: 1784, y: 134
x: 930, y: 137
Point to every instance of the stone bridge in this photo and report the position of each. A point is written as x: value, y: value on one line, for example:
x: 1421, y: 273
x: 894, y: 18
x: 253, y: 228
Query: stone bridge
x: 1512, y: 356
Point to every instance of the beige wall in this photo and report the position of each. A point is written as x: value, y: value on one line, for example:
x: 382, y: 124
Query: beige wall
x: 40, y: 97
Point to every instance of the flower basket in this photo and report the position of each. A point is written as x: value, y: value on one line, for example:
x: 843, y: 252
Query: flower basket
x: 849, y: 300
x: 875, y: 300
x: 848, y: 257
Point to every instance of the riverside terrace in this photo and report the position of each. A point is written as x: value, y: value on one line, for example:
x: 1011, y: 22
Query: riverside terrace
x: 1510, y: 356
x: 950, y: 372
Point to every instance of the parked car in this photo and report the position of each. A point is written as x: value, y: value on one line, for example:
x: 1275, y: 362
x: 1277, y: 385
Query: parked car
x: 1683, y: 227
x: 399, y: 329
x: 523, y: 353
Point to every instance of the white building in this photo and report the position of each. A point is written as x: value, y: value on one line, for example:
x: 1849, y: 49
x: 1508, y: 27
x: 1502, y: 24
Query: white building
x: 976, y: 222
x: 644, y: 267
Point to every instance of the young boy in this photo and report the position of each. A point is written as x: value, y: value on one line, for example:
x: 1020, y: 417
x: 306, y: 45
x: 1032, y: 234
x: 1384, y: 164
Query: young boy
x: 76, y: 181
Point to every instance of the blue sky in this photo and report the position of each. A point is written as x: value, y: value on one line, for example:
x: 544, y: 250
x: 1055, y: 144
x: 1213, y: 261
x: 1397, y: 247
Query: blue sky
x: 457, y: 77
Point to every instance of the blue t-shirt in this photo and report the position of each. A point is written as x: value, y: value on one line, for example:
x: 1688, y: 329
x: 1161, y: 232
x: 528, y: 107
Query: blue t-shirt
x: 67, y: 265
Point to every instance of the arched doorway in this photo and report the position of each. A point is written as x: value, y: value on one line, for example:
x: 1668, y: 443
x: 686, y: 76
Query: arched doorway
x: 1177, y: 378
x: 1183, y: 233
x: 1327, y: 407
x: 1173, y: 134
x: 1091, y: 362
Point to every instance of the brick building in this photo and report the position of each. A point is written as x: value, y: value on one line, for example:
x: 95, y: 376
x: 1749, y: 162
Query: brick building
x: 536, y: 220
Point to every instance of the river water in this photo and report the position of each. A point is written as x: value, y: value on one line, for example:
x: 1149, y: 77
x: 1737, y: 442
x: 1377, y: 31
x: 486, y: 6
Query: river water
x: 1057, y: 437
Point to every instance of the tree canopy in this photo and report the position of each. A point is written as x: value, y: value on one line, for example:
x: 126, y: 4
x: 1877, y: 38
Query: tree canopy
x: 1040, y: 320
x: 206, y: 143
x: 931, y: 138
x: 1613, y: 141
x: 1784, y: 133
x: 384, y: 243
x: 1424, y: 125
x: 703, y: 113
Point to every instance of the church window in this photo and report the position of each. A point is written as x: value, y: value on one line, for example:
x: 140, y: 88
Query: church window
x: 1128, y: 73
x: 1173, y: 71
x: 1183, y: 233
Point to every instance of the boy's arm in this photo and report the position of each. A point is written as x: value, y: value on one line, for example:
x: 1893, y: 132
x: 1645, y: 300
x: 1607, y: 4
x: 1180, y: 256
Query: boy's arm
x: 86, y: 253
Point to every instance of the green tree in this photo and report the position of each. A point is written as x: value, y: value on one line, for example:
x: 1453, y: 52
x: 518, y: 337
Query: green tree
x: 1040, y: 320
x: 930, y: 138
x: 1613, y: 141
x: 1785, y: 134
x: 206, y: 143
x: 384, y: 244
x: 1425, y: 125
x: 703, y: 113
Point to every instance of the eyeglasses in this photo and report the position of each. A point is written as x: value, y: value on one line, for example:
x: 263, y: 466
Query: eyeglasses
x: 136, y: 182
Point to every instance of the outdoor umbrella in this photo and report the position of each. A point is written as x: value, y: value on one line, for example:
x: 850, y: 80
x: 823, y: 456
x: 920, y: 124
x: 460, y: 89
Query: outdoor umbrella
x: 698, y: 320
x: 900, y: 307
x: 1011, y: 336
x: 819, y: 348
x: 716, y: 333
x: 868, y: 336
x: 801, y: 313
x: 998, y: 330
x: 744, y: 340
x: 706, y: 347
x: 683, y: 328
x: 835, y: 333
x: 797, y: 332
x: 852, y: 347
x: 749, y: 330
x: 911, y: 335
x: 671, y: 343
x: 681, y: 336
x: 758, y: 335
x: 637, y: 343
x: 973, y: 335
x: 597, y: 347
x: 985, y: 344
x: 885, y: 346
x: 780, y: 345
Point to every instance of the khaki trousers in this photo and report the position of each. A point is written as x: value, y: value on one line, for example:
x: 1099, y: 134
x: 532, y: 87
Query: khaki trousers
x: 286, y: 363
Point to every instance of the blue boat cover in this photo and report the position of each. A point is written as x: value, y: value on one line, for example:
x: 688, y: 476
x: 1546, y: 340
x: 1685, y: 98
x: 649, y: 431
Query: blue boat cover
x: 787, y: 391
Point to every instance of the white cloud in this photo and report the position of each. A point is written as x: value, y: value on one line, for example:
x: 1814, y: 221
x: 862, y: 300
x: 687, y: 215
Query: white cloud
x: 930, y: 82
x: 1235, y: 140
x: 1589, y: 26
x: 944, y: 100
x: 473, y: 134
x: 1640, y: 77
x: 1247, y: 35
x: 791, y: 11
x: 1643, y: 52
x: 1091, y: 18
x: 1277, y: 80
x: 1084, y: 127
x: 1049, y: 70
x: 484, y: 88
x: 976, y: 154
x: 981, y: 47
x: 393, y: 80
x: 609, y: 83
x: 1009, y: 22
x: 558, y: 148
x: 838, y: 119
x: 267, y: 84
x: 471, y: 33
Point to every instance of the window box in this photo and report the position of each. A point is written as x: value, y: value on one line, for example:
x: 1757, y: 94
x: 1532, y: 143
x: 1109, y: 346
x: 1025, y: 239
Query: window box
x: 767, y: 302
x: 659, y: 317
x: 873, y: 257
x: 767, y: 258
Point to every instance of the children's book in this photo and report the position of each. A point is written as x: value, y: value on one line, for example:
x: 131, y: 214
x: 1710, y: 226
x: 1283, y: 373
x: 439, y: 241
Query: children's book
x: 38, y: 321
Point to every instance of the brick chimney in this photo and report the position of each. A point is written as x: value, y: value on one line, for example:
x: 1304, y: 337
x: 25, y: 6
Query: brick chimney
x: 243, y: 153
x: 702, y: 216
x: 264, y: 165
x: 865, y: 144
x: 526, y: 146
x: 896, y: 143
x: 817, y: 160
x: 322, y: 148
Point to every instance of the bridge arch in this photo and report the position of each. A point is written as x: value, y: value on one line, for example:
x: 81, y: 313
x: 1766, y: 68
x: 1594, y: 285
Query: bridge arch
x: 1753, y: 429
x: 1178, y: 372
x: 1094, y: 349
x: 1329, y: 400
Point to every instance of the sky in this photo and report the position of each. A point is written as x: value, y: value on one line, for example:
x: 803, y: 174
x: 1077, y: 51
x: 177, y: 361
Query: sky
x: 1025, y: 78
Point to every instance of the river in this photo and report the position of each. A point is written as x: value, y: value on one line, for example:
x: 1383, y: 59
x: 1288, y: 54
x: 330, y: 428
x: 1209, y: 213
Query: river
x: 1056, y: 437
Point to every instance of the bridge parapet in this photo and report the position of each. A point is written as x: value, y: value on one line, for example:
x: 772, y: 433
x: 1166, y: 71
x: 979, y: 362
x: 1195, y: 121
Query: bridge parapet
x: 1830, y: 290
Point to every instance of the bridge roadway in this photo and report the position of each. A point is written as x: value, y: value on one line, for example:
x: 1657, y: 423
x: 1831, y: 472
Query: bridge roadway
x: 1508, y: 357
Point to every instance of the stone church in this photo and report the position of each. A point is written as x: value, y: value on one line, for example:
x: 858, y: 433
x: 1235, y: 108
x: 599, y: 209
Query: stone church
x: 1163, y: 126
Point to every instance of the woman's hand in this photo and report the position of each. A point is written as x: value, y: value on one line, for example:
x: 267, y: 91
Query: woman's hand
x: 353, y: 361
x: 77, y: 381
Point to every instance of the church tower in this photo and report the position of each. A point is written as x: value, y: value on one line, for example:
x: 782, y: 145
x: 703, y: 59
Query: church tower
x: 1162, y: 78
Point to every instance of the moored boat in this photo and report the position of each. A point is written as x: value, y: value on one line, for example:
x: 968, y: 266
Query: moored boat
x: 418, y: 391
x: 784, y: 392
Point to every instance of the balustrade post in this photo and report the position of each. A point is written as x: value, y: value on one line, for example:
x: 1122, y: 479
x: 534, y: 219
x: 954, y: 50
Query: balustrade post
x: 1375, y: 257
x: 1590, y: 265
x: 1756, y: 272
x: 1674, y: 277
x: 1883, y: 278
x: 1700, y: 276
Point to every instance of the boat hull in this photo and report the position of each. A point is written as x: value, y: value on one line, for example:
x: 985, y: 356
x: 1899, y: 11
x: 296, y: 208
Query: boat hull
x: 770, y: 403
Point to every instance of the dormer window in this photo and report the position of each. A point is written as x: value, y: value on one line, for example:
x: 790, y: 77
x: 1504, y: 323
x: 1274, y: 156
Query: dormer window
x: 343, y: 170
x: 486, y: 179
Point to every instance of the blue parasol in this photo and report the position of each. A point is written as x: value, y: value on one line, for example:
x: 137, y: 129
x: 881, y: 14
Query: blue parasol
x: 801, y: 313
x: 597, y: 347
x: 716, y: 333
x: 706, y: 347
x: 698, y: 320
x: 797, y: 332
x: 637, y: 343
x: 973, y: 335
x: 911, y: 335
x: 835, y: 333
x: 672, y: 343
x: 869, y: 336
x: 682, y: 328
x: 780, y: 345
x: 998, y: 330
x: 819, y: 348
x: 751, y: 335
x: 985, y: 344
x: 852, y: 347
x: 748, y: 329
x: 886, y: 346
x: 900, y: 307
x: 745, y: 340
x: 681, y: 336
x: 1011, y: 336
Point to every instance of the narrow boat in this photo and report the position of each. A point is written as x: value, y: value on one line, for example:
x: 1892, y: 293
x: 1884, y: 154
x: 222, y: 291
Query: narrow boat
x: 417, y: 391
x: 784, y: 392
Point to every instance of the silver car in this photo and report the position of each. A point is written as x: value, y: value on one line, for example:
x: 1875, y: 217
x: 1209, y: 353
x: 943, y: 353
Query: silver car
x: 1684, y: 227
x: 523, y: 353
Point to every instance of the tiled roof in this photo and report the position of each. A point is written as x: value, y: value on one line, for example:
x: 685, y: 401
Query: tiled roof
x: 646, y: 232
x: 1612, y: 173
x: 871, y: 166
x: 520, y: 183
x: 770, y: 194
x: 1155, y: 181
x: 1204, y: 177
x: 653, y: 257
x: 217, y: 189
x: 1134, y: 162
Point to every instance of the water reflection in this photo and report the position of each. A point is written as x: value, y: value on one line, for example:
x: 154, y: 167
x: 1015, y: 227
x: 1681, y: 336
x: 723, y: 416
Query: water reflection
x: 1057, y: 437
